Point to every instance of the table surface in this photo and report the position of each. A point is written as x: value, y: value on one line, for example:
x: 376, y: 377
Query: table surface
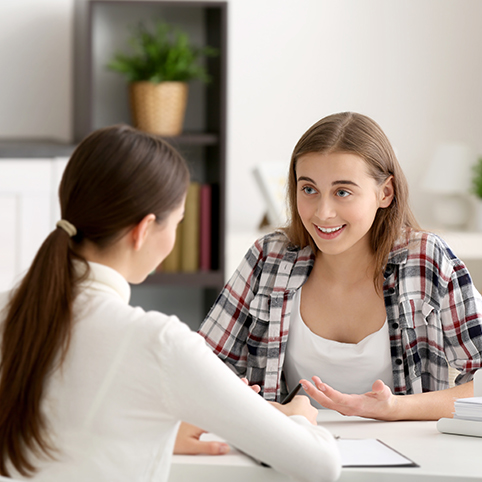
x: 441, y: 457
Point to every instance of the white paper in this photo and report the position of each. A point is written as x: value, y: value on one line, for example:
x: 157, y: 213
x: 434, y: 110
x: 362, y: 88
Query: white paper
x: 369, y: 453
x: 468, y: 408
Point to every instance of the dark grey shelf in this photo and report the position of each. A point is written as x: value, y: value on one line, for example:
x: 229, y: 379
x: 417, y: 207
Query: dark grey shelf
x: 202, y: 279
x: 34, y: 148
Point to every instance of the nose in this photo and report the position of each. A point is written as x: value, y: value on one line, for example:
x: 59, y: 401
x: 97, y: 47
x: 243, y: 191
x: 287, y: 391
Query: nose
x: 325, y: 209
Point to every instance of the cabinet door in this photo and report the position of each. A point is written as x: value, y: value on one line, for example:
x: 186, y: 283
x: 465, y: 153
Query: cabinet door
x: 7, y: 239
x: 28, y: 210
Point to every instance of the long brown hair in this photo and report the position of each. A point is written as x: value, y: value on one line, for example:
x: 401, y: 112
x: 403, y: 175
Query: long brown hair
x: 357, y: 134
x: 115, y: 177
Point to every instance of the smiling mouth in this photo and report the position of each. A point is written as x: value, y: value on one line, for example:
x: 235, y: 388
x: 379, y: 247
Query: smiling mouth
x: 330, y: 230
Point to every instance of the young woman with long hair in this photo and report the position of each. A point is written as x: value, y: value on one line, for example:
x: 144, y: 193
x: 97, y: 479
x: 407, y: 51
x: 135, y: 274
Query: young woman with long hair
x: 93, y: 389
x: 352, y: 293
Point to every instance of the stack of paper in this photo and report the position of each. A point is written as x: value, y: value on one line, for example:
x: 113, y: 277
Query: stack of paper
x: 467, y: 418
x: 468, y: 408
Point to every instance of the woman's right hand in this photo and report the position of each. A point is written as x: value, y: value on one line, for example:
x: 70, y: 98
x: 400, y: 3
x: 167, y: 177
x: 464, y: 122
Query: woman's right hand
x: 300, y: 405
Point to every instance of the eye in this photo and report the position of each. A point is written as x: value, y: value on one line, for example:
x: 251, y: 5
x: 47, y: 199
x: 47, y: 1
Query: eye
x: 343, y: 193
x: 308, y: 190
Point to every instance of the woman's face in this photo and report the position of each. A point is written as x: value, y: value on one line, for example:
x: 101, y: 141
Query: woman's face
x: 156, y: 246
x: 164, y: 235
x: 338, y: 200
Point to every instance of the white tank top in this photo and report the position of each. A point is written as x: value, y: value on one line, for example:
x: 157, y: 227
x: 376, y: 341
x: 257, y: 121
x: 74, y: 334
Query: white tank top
x: 347, y: 367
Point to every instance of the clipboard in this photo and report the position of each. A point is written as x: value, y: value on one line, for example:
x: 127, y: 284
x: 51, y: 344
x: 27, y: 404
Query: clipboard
x: 371, y: 453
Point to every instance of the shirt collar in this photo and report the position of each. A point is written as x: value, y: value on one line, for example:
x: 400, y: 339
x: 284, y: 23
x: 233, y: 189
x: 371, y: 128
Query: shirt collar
x: 399, y: 253
x: 103, y: 278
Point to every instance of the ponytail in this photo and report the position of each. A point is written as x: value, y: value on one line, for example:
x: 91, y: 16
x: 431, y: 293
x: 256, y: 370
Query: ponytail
x: 36, y: 331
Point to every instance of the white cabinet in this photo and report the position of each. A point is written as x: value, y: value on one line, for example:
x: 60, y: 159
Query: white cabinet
x: 29, y: 209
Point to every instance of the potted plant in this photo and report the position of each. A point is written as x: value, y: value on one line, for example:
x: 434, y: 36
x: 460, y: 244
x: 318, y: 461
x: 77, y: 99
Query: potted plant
x: 158, y: 69
x: 477, y: 190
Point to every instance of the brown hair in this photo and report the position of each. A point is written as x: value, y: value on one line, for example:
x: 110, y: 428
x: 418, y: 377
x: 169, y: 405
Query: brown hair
x: 357, y: 134
x: 115, y: 177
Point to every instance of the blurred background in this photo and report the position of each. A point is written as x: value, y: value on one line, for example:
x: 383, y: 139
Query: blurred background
x: 413, y: 66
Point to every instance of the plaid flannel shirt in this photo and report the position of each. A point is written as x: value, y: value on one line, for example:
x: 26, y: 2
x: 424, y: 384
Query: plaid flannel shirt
x: 434, y: 313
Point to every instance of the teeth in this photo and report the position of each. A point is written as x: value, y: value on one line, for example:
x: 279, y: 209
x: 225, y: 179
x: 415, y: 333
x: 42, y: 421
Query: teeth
x: 329, y: 230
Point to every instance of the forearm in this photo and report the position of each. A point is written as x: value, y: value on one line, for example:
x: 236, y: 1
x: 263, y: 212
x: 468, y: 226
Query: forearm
x: 381, y: 404
x: 429, y: 405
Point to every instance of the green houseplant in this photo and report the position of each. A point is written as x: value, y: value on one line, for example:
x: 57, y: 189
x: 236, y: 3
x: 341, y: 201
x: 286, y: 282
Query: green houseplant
x: 477, y: 191
x: 161, y: 63
x: 477, y: 179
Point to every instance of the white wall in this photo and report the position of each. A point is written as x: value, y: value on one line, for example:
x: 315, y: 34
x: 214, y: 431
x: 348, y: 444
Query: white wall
x: 413, y: 66
x: 35, y: 68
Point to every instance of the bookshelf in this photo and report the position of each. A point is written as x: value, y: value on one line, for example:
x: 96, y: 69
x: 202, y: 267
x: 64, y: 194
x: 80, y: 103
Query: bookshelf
x: 102, y: 28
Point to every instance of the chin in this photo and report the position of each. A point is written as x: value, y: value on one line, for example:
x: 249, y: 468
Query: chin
x: 137, y: 280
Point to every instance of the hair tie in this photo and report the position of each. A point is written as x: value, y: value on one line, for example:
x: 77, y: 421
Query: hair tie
x: 69, y: 228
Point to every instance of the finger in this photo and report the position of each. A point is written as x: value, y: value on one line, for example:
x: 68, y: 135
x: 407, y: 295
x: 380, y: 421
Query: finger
x: 317, y: 395
x: 198, y: 447
x: 381, y: 391
x: 330, y: 392
x: 212, y: 448
x: 255, y: 388
x: 186, y: 430
x: 378, y: 386
x: 319, y: 384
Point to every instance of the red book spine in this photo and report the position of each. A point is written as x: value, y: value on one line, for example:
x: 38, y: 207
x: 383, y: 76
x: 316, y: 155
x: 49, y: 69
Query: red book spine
x: 205, y: 228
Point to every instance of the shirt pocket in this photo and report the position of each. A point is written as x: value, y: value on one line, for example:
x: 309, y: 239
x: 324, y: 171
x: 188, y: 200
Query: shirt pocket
x: 422, y: 335
x: 416, y: 314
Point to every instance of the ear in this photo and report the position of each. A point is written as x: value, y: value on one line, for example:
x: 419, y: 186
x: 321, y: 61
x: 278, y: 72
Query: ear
x: 140, y: 232
x: 387, y: 193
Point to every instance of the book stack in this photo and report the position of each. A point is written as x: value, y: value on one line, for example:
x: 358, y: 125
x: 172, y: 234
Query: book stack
x: 468, y: 408
x: 467, y: 418
x: 192, y: 250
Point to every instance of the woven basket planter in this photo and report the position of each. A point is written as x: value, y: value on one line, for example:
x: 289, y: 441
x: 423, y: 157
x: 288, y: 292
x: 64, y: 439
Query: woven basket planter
x: 158, y: 108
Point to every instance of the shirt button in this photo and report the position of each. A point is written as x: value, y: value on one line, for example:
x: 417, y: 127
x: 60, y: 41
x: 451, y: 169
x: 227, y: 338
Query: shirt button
x: 398, y: 361
x: 394, y: 326
x: 391, y: 291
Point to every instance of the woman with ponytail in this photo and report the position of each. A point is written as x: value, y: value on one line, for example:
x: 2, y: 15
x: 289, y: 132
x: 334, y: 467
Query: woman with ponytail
x: 93, y: 389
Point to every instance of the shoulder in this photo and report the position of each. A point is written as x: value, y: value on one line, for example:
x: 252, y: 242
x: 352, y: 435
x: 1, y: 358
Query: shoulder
x: 431, y: 248
x: 274, y: 244
x: 418, y: 246
x: 104, y: 313
x: 427, y: 257
x: 277, y: 246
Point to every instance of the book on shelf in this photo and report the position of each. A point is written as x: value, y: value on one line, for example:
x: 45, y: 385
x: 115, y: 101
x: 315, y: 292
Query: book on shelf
x: 190, y: 230
x: 172, y: 264
x: 193, y: 247
x: 205, y: 227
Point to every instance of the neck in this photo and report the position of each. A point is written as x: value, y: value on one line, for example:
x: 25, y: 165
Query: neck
x: 113, y: 257
x: 347, y: 268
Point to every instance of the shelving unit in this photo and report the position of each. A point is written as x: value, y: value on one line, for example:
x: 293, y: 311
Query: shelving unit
x: 102, y: 28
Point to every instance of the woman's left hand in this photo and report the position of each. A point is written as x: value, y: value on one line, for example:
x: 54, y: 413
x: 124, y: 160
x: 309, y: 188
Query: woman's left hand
x: 379, y: 403
x: 188, y: 442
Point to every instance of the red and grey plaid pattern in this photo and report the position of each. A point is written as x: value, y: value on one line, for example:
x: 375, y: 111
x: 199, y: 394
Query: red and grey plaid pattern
x: 434, y: 313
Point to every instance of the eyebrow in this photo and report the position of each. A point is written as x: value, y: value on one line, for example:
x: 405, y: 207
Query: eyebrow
x: 334, y: 183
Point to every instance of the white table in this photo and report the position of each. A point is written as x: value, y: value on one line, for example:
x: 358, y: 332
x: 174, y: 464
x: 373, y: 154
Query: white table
x: 442, y: 457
